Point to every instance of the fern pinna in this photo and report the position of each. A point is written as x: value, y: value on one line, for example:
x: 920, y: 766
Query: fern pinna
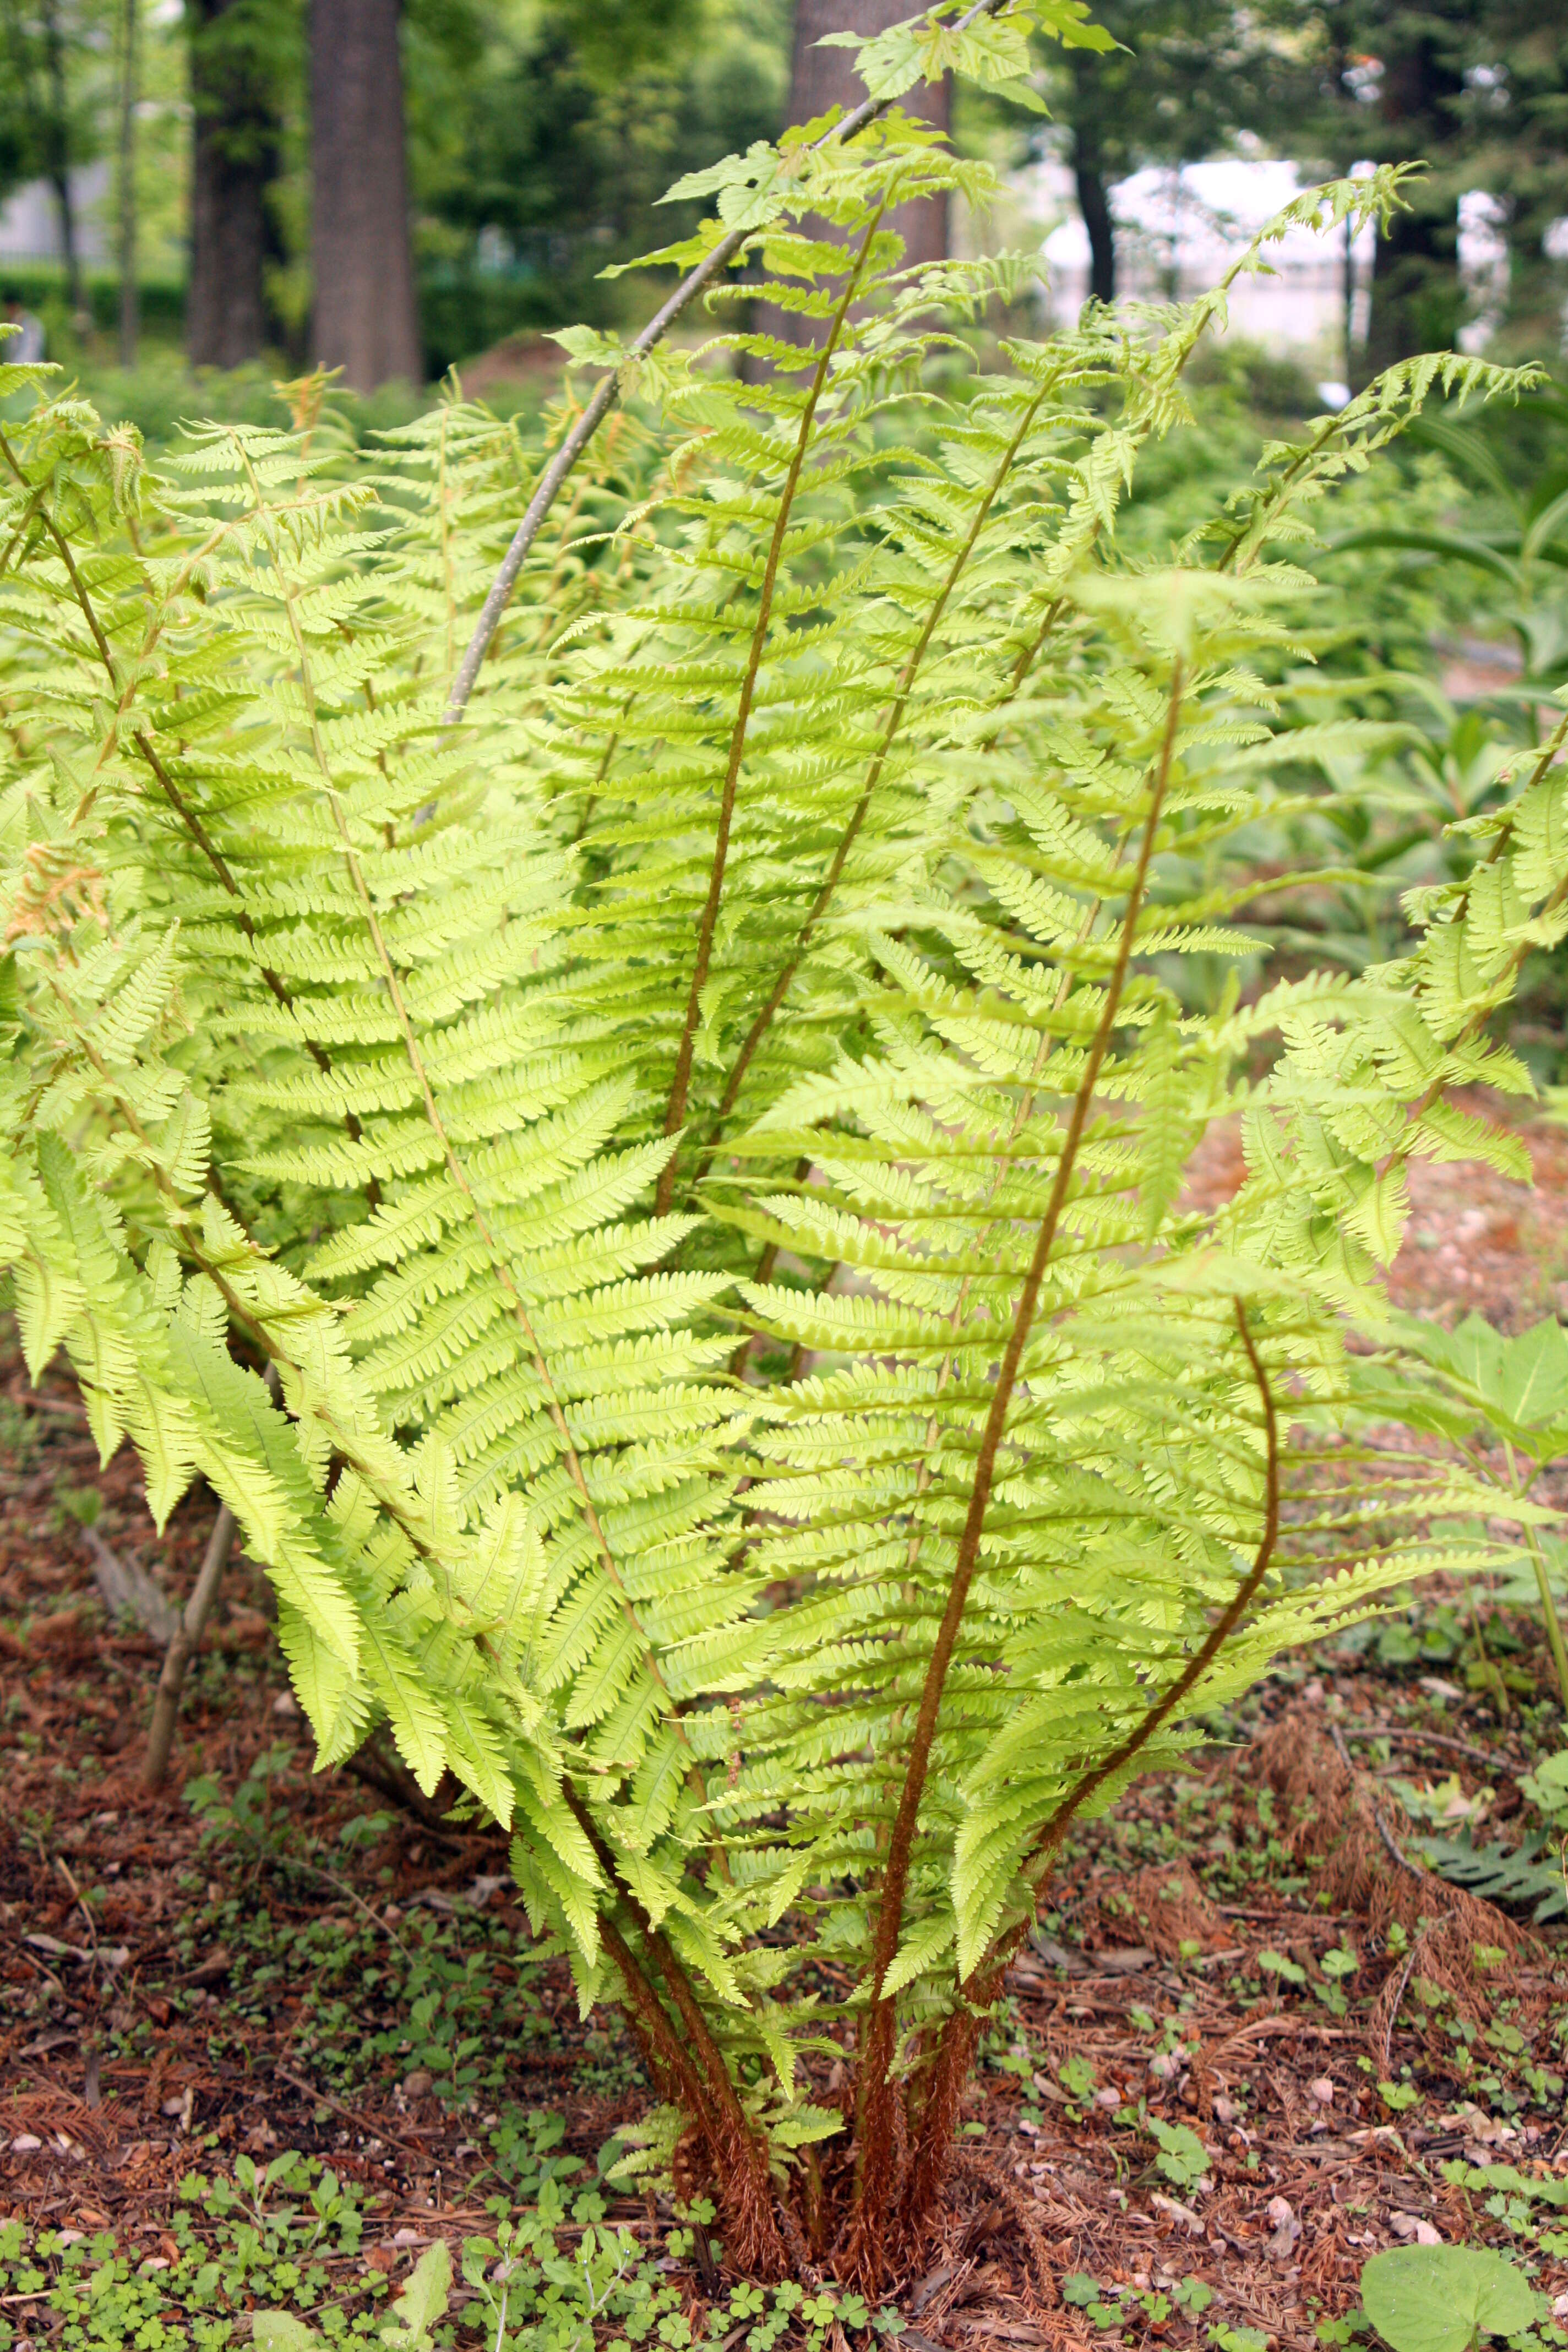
x: 698, y: 1123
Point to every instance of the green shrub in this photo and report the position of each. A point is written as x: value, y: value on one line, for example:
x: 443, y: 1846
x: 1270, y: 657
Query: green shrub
x: 702, y: 1140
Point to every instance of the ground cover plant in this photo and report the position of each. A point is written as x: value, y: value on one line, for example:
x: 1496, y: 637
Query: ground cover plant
x: 697, y: 1126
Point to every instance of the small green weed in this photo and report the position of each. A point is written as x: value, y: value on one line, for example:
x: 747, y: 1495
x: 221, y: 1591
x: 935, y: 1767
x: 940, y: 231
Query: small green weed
x: 1114, y: 2306
x: 281, y: 2263
x: 1447, y: 2298
x: 1182, y: 2158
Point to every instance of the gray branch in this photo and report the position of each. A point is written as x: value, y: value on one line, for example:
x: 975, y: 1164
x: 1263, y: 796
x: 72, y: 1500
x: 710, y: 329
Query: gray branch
x: 604, y: 399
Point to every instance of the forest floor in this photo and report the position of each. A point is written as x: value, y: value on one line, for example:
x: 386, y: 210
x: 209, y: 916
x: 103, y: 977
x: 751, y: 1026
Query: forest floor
x: 1213, y: 2089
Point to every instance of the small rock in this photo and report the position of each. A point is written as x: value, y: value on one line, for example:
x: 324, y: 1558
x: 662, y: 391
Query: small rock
x: 417, y: 2084
x: 1284, y: 2229
x: 407, y: 2238
x: 1108, y: 2097
x: 1166, y: 2066
x: 1055, y: 1955
x: 1223, y: 2108
x: 1124, y: 1960
x: 286, y: 1704
x: 1176, y: 2212
x: 1323, y: 2091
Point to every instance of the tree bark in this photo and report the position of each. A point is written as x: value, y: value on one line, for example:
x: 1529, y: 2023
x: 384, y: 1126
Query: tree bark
x: 1416, y: 300
x: 130, y: 305
x: 235, y: 160
x: 821, y: 79
x: 59, y: 162
x: 1094, y: 203
x: 366, y: 319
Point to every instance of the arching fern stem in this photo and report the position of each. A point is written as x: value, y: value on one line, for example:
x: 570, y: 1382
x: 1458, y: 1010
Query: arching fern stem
x: 857, y: 815
x: 680, y: 1084
x: 875, y: 2093
x: 955, y: 2050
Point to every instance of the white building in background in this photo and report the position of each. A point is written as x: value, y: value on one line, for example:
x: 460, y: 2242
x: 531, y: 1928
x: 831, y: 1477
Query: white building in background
x: 1178, y: 229
x: 30, y: 219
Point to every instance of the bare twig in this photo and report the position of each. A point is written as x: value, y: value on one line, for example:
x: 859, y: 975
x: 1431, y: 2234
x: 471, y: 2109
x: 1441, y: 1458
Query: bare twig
x: 1401, y: 1860
x: 325, y: 2099
x: 390, y: 1779
x: 126, y: 1589
x: 1414, y: 1739
x: 607, y: 392
x: 185, y: 1638
x: 1389, y: 2000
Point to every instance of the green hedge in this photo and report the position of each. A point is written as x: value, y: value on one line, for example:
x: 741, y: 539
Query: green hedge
x: 460, y: 313
x: 37, y: 285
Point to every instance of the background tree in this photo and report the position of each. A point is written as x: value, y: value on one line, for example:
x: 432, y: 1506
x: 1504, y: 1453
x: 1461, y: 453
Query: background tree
x: 821, y: 79
x: 1421, y: 54
x: 540, y: 143
x: 365, y: 320
x: 1186, y: 76
x: 47, y: 117
x: 242, y: 58
x: 1477, y: 91
x: 125, y: 188
x: 1519, y: 138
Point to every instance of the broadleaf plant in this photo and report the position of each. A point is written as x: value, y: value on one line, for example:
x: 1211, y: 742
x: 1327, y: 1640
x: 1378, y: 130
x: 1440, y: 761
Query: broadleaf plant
x: 693, y: 1101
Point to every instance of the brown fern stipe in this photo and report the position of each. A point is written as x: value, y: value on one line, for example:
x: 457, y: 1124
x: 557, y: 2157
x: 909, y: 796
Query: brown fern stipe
x: 875, y: 2122
x: 955, y: 2049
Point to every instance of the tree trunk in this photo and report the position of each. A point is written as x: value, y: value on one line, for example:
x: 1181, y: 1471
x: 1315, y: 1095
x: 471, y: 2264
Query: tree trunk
x: 821, y: 79
x: 1416, y: 300
x: 366, y: 319
x: 130, y: 307
x: 235, y: 160
x: 59, y: 162
x: 1094, y: 203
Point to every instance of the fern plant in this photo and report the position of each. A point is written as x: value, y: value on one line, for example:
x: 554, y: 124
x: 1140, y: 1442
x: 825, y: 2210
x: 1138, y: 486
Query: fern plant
x: 692, y: 1104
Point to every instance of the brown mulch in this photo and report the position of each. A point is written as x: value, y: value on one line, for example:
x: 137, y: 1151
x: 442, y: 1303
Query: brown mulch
x: 136, y: 2043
